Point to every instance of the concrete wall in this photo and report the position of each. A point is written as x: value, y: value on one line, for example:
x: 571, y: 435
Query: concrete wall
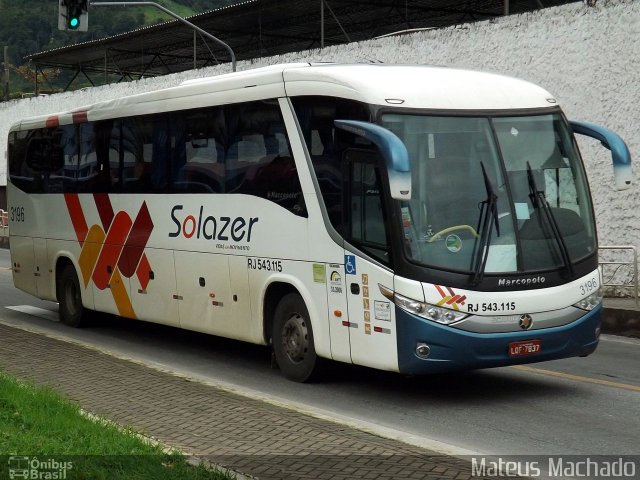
x: 588, y: 57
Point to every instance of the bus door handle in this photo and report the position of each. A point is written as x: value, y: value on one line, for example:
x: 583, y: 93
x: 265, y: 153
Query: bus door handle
x: 355, y: 288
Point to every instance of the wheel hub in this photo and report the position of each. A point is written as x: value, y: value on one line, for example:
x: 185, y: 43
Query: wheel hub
x: 295, y: 338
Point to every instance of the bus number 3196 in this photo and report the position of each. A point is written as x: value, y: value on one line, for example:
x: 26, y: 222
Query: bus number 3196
x: 17, y: 214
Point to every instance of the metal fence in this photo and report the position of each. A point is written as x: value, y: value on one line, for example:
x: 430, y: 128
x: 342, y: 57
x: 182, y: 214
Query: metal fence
x: 4, y: 224
x: 619, y: 268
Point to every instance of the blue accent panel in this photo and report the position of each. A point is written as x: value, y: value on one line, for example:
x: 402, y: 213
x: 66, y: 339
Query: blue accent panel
x: 453, y: 349
x: 392, y: 148
x: 350, y: 264
x: 609, y: 139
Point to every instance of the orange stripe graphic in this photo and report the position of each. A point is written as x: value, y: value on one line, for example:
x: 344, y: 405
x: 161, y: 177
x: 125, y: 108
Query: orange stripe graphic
x: 90, y: 252
x: 121, y: 297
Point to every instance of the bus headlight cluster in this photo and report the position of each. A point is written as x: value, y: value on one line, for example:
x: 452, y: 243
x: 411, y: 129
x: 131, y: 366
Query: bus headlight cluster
x: 591, y: 302
x: 428, y: 311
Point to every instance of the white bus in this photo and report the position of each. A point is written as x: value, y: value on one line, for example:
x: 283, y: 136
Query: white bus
x: 407, y: 218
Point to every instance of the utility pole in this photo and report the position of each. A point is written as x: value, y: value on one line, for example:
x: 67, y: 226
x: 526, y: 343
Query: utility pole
x: 174, y: 15
x: 6, y: 74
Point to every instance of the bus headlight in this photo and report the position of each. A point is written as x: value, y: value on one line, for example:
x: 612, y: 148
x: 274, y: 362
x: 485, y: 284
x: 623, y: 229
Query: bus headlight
x: 443, y: 315
x: 434, y: 313
x: 591, y: 302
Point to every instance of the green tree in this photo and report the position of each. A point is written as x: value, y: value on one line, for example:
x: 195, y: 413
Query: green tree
x: 32, y: 27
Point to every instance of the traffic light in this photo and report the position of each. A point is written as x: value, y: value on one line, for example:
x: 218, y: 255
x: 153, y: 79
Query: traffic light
x: 73, y: 15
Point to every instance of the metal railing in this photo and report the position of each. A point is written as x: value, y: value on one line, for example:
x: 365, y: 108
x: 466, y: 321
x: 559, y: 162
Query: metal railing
x: 621, y: 271
x: 4, y: 224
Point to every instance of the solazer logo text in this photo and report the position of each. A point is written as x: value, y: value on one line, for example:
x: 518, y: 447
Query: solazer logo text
x: 210, y: 227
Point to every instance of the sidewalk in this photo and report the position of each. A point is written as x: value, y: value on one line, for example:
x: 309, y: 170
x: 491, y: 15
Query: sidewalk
x: 248, y: 436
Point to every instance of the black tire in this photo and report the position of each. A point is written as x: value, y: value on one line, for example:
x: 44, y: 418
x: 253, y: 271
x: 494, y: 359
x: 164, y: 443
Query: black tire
x: 293, y: 339
x: 70, y: 307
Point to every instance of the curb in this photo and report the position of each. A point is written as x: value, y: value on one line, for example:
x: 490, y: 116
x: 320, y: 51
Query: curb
x: 621, y: 321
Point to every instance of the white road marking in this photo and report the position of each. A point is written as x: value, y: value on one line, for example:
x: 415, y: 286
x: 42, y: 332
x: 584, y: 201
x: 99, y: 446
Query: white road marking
x: 36, y: 312
x: 617, y: 339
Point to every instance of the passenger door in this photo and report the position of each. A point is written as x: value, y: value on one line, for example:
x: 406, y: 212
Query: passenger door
x: 371, y: 315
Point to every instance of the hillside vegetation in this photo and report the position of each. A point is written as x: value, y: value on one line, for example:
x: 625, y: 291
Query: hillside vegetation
x: 31, y: 27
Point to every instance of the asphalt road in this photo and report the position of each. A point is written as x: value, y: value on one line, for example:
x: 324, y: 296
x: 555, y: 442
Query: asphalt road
x: 582, y: 406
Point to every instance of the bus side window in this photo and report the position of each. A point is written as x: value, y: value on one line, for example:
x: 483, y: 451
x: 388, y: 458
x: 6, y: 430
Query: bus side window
x: 366, y: 215
x: 87, y: 166
x: 278, y: 182
x: 326, y: 146
x: 246, y: 146
x: 65, y: 180
x: 169, y: 151
x: 19, y: 173
x: 258, y: 160
x: 204, y: 169
x: 101, y: 181
x: 44, y: 160
x: 136, y: 172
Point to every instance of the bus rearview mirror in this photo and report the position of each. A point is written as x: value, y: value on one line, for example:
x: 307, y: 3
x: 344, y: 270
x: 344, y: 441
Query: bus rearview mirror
x: 392, y: 150
x: 620, y: 154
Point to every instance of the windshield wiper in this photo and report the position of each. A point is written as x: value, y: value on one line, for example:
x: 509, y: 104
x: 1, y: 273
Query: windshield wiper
x: 539, y: 201
x: 488, y: 211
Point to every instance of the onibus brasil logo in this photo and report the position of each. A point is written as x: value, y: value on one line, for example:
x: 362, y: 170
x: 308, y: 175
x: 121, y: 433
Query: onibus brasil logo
x: 38, y: 468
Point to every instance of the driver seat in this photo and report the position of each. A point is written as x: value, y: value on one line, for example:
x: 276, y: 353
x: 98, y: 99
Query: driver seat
x: 454, y: 195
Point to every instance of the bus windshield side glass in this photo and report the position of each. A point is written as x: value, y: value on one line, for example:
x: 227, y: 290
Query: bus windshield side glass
x: 500, y: 194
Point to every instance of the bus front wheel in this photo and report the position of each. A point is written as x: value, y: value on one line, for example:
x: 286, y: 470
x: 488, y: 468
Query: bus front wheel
x: 293, y: 339
x: 70, y: 308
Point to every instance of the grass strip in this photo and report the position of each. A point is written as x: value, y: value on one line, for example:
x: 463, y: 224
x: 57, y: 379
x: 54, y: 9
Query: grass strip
x: 38, y: 428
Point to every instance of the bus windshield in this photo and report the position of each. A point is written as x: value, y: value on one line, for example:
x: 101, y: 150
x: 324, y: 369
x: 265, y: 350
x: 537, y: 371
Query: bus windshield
x: 494, y: 194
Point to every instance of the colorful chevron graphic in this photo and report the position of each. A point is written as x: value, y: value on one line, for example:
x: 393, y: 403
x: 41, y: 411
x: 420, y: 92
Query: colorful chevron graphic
x: 450, y: 298
x: 113, y: 249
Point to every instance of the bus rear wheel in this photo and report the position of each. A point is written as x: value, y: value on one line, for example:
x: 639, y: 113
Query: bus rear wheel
x: 70, y: 307
x: 293, y: 339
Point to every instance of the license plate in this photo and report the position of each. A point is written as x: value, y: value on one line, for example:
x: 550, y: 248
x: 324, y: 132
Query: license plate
x: 529, y: 347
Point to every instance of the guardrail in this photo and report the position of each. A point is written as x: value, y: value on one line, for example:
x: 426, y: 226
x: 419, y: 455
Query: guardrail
x: 4, y: 224
x: 622, y: 271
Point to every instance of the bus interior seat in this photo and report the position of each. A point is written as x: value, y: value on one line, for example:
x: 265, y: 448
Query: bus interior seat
x: 453, y: 199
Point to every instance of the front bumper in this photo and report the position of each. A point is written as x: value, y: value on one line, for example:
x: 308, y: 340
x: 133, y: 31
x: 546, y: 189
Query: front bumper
x: 453, y: 349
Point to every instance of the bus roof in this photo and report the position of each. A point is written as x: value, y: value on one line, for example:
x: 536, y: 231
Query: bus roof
x: 419, y: 86
x: 400, y: 86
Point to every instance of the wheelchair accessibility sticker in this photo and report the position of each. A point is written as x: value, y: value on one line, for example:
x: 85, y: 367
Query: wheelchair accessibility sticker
x: 350, y: 264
